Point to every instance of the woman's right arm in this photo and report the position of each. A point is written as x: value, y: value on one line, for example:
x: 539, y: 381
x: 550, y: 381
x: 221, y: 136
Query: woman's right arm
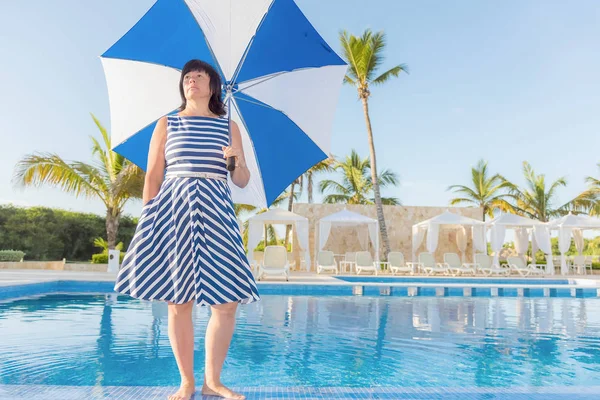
x: 155, y: 172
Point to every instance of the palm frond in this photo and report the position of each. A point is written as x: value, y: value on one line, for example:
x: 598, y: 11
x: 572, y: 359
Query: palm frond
x: 49, y: 169
x: 387, y: 178
x: 349, y: 80
x: 128, y: 183
x: 387, y: 75
x: 351, y: 52
x: 336, y: 198
x: 389, y: 201
x: 463, y: 200
x: 241, y: 209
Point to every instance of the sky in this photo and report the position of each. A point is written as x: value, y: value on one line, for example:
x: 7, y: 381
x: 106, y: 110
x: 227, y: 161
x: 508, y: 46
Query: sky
x: 503, y: 81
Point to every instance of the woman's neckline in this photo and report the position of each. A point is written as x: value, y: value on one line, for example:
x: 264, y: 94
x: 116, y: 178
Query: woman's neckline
x: 197, y: 116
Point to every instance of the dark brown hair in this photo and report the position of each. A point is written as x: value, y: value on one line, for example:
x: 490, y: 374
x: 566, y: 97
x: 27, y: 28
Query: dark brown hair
x: 215, y: 104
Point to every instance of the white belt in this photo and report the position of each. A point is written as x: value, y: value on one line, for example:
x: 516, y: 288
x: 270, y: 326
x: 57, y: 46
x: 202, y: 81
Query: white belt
x: 204, y: 175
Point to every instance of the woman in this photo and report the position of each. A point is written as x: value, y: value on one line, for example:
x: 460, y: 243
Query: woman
x: 187, y: 247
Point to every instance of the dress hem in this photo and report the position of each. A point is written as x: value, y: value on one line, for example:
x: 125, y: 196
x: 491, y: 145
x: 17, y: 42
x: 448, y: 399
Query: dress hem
x: 203, y: 302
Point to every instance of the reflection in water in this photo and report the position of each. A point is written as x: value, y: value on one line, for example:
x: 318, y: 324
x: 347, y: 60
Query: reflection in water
x: 103, y: 340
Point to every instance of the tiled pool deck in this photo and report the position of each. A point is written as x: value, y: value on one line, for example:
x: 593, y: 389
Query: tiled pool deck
x: 15, y: 284
x: 34, y: 392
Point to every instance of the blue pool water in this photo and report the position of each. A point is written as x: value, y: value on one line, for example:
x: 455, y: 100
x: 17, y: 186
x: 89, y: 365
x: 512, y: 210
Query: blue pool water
x: 295, y: 341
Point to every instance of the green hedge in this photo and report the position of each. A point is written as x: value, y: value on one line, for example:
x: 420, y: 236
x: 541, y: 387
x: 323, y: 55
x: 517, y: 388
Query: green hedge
x: 102, y: 258
x: 11, y: 255
x: 53, y: 234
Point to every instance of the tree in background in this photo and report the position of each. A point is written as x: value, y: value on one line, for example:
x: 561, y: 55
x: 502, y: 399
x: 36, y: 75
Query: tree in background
x: 47, y: 234
x: 356, y: 186
x: 364, y: 56
x: 110, y: 178
x: 321, y: 167
x: 487, y: 191
x: 589, y: 200
x: 536, y: 200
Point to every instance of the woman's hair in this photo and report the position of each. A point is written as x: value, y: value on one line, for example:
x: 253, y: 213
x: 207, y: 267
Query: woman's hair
x: 215, y: 104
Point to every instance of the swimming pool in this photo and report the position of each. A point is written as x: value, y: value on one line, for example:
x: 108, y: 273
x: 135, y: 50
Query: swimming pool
x: 454, y: 280
x: 410, y: 346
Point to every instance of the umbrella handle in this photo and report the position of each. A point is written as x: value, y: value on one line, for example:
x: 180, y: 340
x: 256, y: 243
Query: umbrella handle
x: 230, y: 163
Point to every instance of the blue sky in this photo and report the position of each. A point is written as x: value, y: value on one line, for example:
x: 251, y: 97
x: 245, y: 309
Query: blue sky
x: 504, y: 81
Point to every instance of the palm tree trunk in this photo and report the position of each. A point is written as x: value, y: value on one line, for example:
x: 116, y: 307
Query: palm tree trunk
x: 378, y: 203
x: 266, y: 239
x: 290, y: 205
x: 112, y: 227
x: 309, y: 187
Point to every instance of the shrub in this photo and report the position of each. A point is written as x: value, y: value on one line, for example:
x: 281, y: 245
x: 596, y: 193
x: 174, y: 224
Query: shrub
x: 102, y: 258
x: 11, y: 255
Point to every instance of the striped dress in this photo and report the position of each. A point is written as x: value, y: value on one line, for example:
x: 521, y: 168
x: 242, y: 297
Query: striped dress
x: 187, y: 244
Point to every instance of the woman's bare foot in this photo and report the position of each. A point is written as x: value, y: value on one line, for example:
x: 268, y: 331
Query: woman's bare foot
x: 221, y: 391
x: 186, y: 392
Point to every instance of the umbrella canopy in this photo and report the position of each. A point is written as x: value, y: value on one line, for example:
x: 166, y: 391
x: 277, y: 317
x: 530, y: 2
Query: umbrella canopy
x: 281, y: 83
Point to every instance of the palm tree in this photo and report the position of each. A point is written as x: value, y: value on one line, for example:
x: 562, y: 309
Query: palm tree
x: 589, y: 200
x: 111, y: 178
x: 364, y: 56
x: 323, y: 166
x: 486, y: 192
x: 356, y: 186
x: 536, y: 199
x: 292, y: 195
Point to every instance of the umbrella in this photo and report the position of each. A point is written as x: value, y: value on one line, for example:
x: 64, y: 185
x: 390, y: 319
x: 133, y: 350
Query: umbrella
x: 281, y: 83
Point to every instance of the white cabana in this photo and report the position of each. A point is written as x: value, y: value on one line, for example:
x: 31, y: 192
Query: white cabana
x: 349, y: 219
x: 522, y: 226
x: 572, y: 226
x: 447, y: 220
x: 257, y: 222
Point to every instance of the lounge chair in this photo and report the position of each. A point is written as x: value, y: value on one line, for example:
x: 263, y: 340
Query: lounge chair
x: 455, y: 266
x: 428, y: 265
x: 364, y: 262
x: 398, y: 265
x: 579, y: 265
x: 326, y: 262
x: 517, y: 264
x: 275, y: 262
x: 484, y: 264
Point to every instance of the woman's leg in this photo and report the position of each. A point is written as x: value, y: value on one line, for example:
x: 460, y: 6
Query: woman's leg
x: 181, y: 336
x: 218, y: 337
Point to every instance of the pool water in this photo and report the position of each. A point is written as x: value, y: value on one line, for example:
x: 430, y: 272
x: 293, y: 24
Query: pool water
x: 292, y: 341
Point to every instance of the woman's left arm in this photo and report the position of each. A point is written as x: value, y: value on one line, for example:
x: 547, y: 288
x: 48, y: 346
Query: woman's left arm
x: 240, y: 175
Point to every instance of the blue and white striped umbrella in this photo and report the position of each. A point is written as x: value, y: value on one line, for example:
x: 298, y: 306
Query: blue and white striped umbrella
x: 281, y: 83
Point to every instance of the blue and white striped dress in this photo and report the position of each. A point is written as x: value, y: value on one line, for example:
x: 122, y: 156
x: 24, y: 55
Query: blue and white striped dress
x: 187, y: 244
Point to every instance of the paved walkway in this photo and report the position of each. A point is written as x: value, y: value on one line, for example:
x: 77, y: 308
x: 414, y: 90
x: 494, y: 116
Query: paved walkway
x: 19, y: 277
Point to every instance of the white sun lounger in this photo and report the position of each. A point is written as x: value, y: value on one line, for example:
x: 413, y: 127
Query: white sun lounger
x: 428, y: 265
x: 275, y: 262
x: 364, y: 262
x: 455, y: 266
x: 398, y: 265
x: 326, y: 262
x: 517, y: 264
x: 485, y: 265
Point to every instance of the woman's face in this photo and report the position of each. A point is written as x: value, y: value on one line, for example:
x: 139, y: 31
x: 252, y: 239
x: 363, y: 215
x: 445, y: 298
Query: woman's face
x: 196, y: 84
